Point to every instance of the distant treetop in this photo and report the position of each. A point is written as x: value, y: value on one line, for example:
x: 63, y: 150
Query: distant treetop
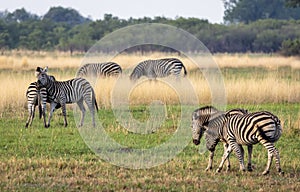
x: 65, y: 15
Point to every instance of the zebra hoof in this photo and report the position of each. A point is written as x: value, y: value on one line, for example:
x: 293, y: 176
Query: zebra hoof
x: 47, y: 126
x: 249, y: 168
x: 208, y: 169
x: 218, y: 170
x: 281, y: 173
x: 265, y: 173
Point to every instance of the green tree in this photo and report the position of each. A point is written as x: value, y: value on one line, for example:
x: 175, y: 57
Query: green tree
x: 20, y: 15
x: 290, y: 47
x: 65, y: 15
x: 292, y: 3
x: 248, y: 11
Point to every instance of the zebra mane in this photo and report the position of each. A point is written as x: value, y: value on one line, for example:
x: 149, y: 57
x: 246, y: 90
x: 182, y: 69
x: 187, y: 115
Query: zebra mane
x: 206, y: 110
x: 236, y: 112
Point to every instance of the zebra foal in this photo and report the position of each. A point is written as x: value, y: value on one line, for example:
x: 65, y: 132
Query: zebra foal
x: 99, y: 69
x: 249, y: 129
x: 158, y: 68
x: 76, y: 90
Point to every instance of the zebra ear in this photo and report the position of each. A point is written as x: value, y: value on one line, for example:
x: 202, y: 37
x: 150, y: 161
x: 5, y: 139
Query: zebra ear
x: 38, y: 71
x: 46, y: 69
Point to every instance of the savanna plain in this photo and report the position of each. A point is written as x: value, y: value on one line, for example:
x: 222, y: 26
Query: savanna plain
x: 58, y: 159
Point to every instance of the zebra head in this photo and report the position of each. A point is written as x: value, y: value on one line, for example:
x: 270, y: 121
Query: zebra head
x: 136, y: 74
x: 200, y: 117
x: 197, y: 129
x: 42, y: 77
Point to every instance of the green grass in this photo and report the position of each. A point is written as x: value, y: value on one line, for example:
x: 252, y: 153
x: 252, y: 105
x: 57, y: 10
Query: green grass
x: 57, y: 159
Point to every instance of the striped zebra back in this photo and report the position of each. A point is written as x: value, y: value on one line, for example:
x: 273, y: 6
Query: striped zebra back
x: 158, y: 68
x: 99, y: 70
x: 250, y: 128
x: 215, y: 127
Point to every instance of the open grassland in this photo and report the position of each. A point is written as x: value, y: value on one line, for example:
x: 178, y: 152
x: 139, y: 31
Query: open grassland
x: 57, y: 159
x: 247, y: 79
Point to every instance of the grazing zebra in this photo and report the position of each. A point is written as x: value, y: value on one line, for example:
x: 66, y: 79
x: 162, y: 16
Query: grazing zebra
x: 201, y: 124
x: 36, y: 97
x: 99, y: 69
x: 249, y: 129
x: 76, y: 90
x: 158, y: 68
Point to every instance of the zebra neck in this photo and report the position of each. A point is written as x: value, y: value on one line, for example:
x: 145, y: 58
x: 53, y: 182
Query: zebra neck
x: 50, y: 87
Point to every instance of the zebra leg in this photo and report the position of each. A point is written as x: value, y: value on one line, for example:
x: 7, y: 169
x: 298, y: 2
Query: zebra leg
x: 224, y: 157
x: 225, y: 145
x: 239, y: 151
x: 91, y: 102
x: 271, y: 150
x: 44, y: 112
x: 249, y: 167
x: 52, y: 109
x: 31, y: 111
x: 64, y: 112
x: 210, y: 160
x: 82, y: 109
x: 277, y: 161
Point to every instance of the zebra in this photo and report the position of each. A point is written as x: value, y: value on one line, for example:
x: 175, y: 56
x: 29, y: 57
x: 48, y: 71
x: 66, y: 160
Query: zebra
x: 99, y: 69
x: 37, y: 97
x: 158, y: 68
x: 77, y: 90
x: 202, y: 125
x: 249, y: 129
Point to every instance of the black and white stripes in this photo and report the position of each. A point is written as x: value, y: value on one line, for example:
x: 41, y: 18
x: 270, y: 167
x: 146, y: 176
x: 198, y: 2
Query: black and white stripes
x: 37, y: 97
x: 158, y: 68
x: 235, y: 128
x: 249, y: 129
x: 76, y: 90
x: 99, y: 70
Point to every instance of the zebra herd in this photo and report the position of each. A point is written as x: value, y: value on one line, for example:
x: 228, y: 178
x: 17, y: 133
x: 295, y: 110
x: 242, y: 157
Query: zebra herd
x: 79, y: 90
x: 233, y: 128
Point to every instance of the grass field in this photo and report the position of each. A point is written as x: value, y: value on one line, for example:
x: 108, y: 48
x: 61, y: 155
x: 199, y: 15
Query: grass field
x: 57, y: 159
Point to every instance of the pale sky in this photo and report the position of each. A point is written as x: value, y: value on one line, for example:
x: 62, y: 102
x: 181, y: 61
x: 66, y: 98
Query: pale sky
x: 213, y: 10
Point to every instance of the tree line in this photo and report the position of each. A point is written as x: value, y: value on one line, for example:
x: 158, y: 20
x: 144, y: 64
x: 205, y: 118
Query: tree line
x: 66, y: 30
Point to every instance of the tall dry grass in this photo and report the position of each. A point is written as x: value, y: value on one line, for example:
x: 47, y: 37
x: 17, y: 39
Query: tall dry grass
x: 256, y: 60
x: 17, y: 71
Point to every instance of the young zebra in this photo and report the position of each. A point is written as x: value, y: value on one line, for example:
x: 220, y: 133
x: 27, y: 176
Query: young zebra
x: 158, y: 68
x: 249, y: 129
x: 38, y: 98
x: 76, y: 90
x: 99, y: 69
x: 201, y: 124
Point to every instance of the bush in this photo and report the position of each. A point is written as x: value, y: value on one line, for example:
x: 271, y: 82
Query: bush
x: 291, y: 47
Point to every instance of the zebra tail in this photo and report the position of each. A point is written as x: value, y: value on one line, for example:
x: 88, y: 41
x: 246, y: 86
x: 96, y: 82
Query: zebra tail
x: 94, y: 98
x: 40, y: 105
x: 278, y: 130
x: 184, y: 69
x: 96, y: 105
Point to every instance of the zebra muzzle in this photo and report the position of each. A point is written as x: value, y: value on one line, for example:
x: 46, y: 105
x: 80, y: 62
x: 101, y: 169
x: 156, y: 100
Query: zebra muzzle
x: 196, y: 142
